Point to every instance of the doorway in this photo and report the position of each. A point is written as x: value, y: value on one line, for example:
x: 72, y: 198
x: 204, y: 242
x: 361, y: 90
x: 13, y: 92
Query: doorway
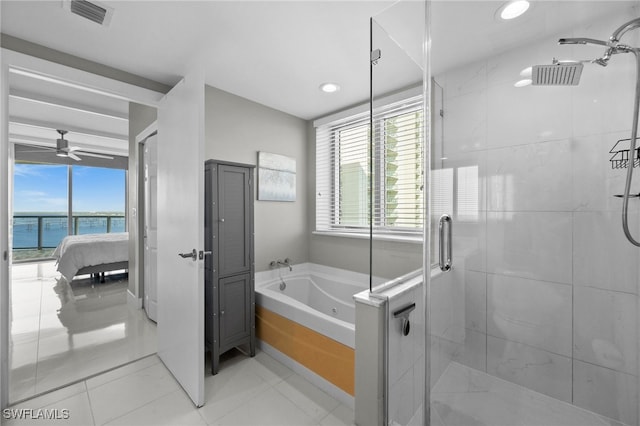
x: 57, y: 331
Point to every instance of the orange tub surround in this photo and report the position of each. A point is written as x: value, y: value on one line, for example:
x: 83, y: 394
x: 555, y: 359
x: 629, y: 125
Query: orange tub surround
x: 324, y: 356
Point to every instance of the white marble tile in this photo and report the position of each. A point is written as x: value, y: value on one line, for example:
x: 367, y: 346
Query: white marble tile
x: 606, y: 392
x: 539, y: 370
x: 460, y: 378
x: 505, y: 68
x: 270, y: 370
x: 536, y: 245
x: 532, y: 312
x: 605, y: 329
x: 314, y: 402
x: 470, y: 243
x: 595, y: 182
x: 401, y: 399
x: 473, y: 397
x: 122, y: 371
x: 473, y: 352
x: 533, y: 177
x: 260, y: 410
x: 604, y: 98
x: 442, y: 352
x: 74, y: 410
x: 470, y: 182
x: 447, y: 308
x: 340, y: 416
x: 475, y: 298
x: 602, y: 254
x: 118, y: 397
x: 51, y: 398
x: 419, y: 379
x: 463, y: 80
x: 172, y: 409
x: 523, y: 115
x: 465, y: 123
x: 231, y: 388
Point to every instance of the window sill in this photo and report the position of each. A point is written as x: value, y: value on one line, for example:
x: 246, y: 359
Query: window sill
x: 376, y: 237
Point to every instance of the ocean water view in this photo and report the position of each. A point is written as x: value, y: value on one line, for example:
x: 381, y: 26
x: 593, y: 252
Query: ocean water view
x: 46, y: 230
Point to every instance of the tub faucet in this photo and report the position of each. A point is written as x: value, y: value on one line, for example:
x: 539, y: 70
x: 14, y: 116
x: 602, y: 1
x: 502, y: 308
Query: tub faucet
x: 286, y: 263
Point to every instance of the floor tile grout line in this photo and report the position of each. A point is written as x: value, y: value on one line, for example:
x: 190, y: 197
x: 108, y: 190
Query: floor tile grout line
x: 93, y: 417
x: 142, y: 406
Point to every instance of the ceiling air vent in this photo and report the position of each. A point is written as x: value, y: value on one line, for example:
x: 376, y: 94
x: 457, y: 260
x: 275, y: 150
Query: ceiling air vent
x: 90, y: 10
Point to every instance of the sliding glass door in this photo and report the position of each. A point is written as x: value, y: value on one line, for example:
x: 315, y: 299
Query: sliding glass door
x: 52, y: 201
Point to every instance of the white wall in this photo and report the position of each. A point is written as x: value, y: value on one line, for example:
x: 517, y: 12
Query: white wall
x: 235, y: 130
x: 550, y: 284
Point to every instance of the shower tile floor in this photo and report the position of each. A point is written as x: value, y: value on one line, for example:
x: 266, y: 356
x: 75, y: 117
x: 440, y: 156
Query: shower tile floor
x: 467, y: 397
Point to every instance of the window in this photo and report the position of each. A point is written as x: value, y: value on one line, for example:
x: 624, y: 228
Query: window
x: 344, y: 172
x: 42, y: 207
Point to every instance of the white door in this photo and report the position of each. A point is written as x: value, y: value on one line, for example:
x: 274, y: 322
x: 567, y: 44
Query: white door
x: 180, y: 216
x: 151, y: 227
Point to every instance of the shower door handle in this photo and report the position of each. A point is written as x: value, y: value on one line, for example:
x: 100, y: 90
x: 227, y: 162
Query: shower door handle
x: 445, y: 257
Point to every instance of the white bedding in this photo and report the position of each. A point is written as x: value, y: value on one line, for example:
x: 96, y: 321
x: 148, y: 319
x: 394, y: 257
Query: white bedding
x: 78, y: 251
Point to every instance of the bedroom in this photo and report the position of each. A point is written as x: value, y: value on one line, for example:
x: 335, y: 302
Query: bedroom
x: 70, y: 162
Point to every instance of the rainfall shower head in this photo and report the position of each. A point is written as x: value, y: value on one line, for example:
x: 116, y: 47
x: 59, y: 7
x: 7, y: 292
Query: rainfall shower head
x: 557, y: 74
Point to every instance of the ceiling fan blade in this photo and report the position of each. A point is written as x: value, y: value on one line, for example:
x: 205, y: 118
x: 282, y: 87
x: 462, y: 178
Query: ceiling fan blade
x: 75, y: 157
x: 91, y: 154
x: 41, y: 150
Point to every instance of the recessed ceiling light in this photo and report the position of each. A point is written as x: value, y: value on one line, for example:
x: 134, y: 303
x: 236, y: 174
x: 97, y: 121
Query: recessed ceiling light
x: 527, y: 72
x: 513, y: 9
x: 329, y: 87
x: 523, y: 83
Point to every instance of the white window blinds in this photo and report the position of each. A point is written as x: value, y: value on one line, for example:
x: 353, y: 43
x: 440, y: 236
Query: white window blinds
x: 344, y: 172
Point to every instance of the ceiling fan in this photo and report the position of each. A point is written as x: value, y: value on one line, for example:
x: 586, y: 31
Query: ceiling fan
x: 63, y: 149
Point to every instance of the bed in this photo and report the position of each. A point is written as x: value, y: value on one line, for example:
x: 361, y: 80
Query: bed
x: 92, y: 254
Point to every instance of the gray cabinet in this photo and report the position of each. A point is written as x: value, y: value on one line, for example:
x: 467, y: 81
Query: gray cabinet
x: 229, y: 271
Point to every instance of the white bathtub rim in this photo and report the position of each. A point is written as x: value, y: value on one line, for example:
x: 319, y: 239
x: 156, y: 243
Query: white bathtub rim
x: 285, y: 306
x: 334, y: 328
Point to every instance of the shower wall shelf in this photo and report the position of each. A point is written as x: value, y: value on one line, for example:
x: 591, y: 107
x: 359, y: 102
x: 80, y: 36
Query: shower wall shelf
x: 620, y: 151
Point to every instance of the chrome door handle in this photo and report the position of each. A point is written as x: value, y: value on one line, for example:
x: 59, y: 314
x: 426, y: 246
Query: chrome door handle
x: 445, y: 264
x: 193, y: 255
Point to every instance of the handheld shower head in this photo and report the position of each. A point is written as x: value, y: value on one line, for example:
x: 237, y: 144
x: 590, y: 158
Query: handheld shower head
x: 584, y: 40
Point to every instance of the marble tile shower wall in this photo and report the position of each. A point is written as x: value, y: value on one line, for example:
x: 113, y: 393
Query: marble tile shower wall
x: 549, y: 283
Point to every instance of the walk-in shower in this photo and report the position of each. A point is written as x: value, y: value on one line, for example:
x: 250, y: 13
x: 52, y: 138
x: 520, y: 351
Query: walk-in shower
x: 538, y: 319
x: 614, y: 47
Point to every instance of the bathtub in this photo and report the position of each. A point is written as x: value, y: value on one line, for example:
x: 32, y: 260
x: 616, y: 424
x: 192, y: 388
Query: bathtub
x: 315, y: 296
x: 311, y: 319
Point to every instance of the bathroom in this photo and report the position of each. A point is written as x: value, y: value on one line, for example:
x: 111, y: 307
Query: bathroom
x: 532, y: 306
x: 543, y: 292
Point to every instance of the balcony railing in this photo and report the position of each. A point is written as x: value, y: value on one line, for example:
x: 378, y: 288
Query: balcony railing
x: 37, y: 232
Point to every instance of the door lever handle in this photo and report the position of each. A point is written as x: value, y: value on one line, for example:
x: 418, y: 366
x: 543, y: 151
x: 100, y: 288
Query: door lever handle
x: 202, y: 254
x: 193, y: 255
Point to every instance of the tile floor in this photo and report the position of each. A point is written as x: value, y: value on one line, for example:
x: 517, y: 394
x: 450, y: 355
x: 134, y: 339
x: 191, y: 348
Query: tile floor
x: 464, y: 396
x: 262, y: 391
x: 62, y: 333
x: 246, y: 391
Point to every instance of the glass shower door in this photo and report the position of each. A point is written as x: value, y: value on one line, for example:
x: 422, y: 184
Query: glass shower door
x: 538, y: 320
x: 398, y: 202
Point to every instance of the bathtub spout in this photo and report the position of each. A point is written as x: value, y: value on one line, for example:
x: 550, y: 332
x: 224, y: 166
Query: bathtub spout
x: 279, y: 263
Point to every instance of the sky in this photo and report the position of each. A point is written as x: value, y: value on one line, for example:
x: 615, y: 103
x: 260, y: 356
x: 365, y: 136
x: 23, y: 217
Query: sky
x: 43, y: 188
